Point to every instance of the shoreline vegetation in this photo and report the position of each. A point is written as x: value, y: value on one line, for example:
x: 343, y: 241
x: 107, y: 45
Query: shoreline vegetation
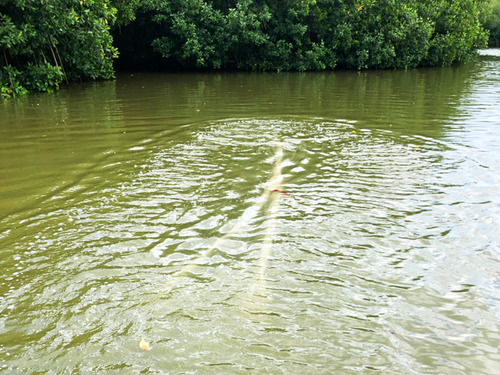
x: 46, y: 43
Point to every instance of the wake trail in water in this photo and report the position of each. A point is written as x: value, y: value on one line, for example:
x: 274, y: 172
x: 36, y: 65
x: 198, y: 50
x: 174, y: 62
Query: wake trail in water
x: 268, y: 197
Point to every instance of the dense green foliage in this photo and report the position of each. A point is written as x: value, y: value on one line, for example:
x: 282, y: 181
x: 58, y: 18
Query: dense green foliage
x: 314, y: 34
x: 490, y: 18
x: 44, y: 42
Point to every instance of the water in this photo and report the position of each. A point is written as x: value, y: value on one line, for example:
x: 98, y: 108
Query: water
x: 144, y: 208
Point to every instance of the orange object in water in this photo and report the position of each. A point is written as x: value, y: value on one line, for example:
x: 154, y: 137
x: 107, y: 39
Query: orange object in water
x: 280, y: 191
x: 284, y: 192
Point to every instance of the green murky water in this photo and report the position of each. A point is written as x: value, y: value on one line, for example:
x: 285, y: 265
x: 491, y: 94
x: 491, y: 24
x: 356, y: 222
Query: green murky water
x: 144, y: 208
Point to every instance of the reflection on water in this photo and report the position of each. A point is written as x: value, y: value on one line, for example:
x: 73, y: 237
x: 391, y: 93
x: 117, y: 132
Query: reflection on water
x: 145, y: 208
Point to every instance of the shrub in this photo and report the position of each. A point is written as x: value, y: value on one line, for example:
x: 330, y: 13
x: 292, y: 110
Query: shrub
x: 490, y: 18
x: 51, y: 40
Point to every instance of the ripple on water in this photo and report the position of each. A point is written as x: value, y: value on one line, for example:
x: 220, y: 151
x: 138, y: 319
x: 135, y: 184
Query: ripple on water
x: 365, y: 264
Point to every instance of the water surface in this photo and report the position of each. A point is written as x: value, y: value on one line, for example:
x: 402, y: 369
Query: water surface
x: 144, y: 208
